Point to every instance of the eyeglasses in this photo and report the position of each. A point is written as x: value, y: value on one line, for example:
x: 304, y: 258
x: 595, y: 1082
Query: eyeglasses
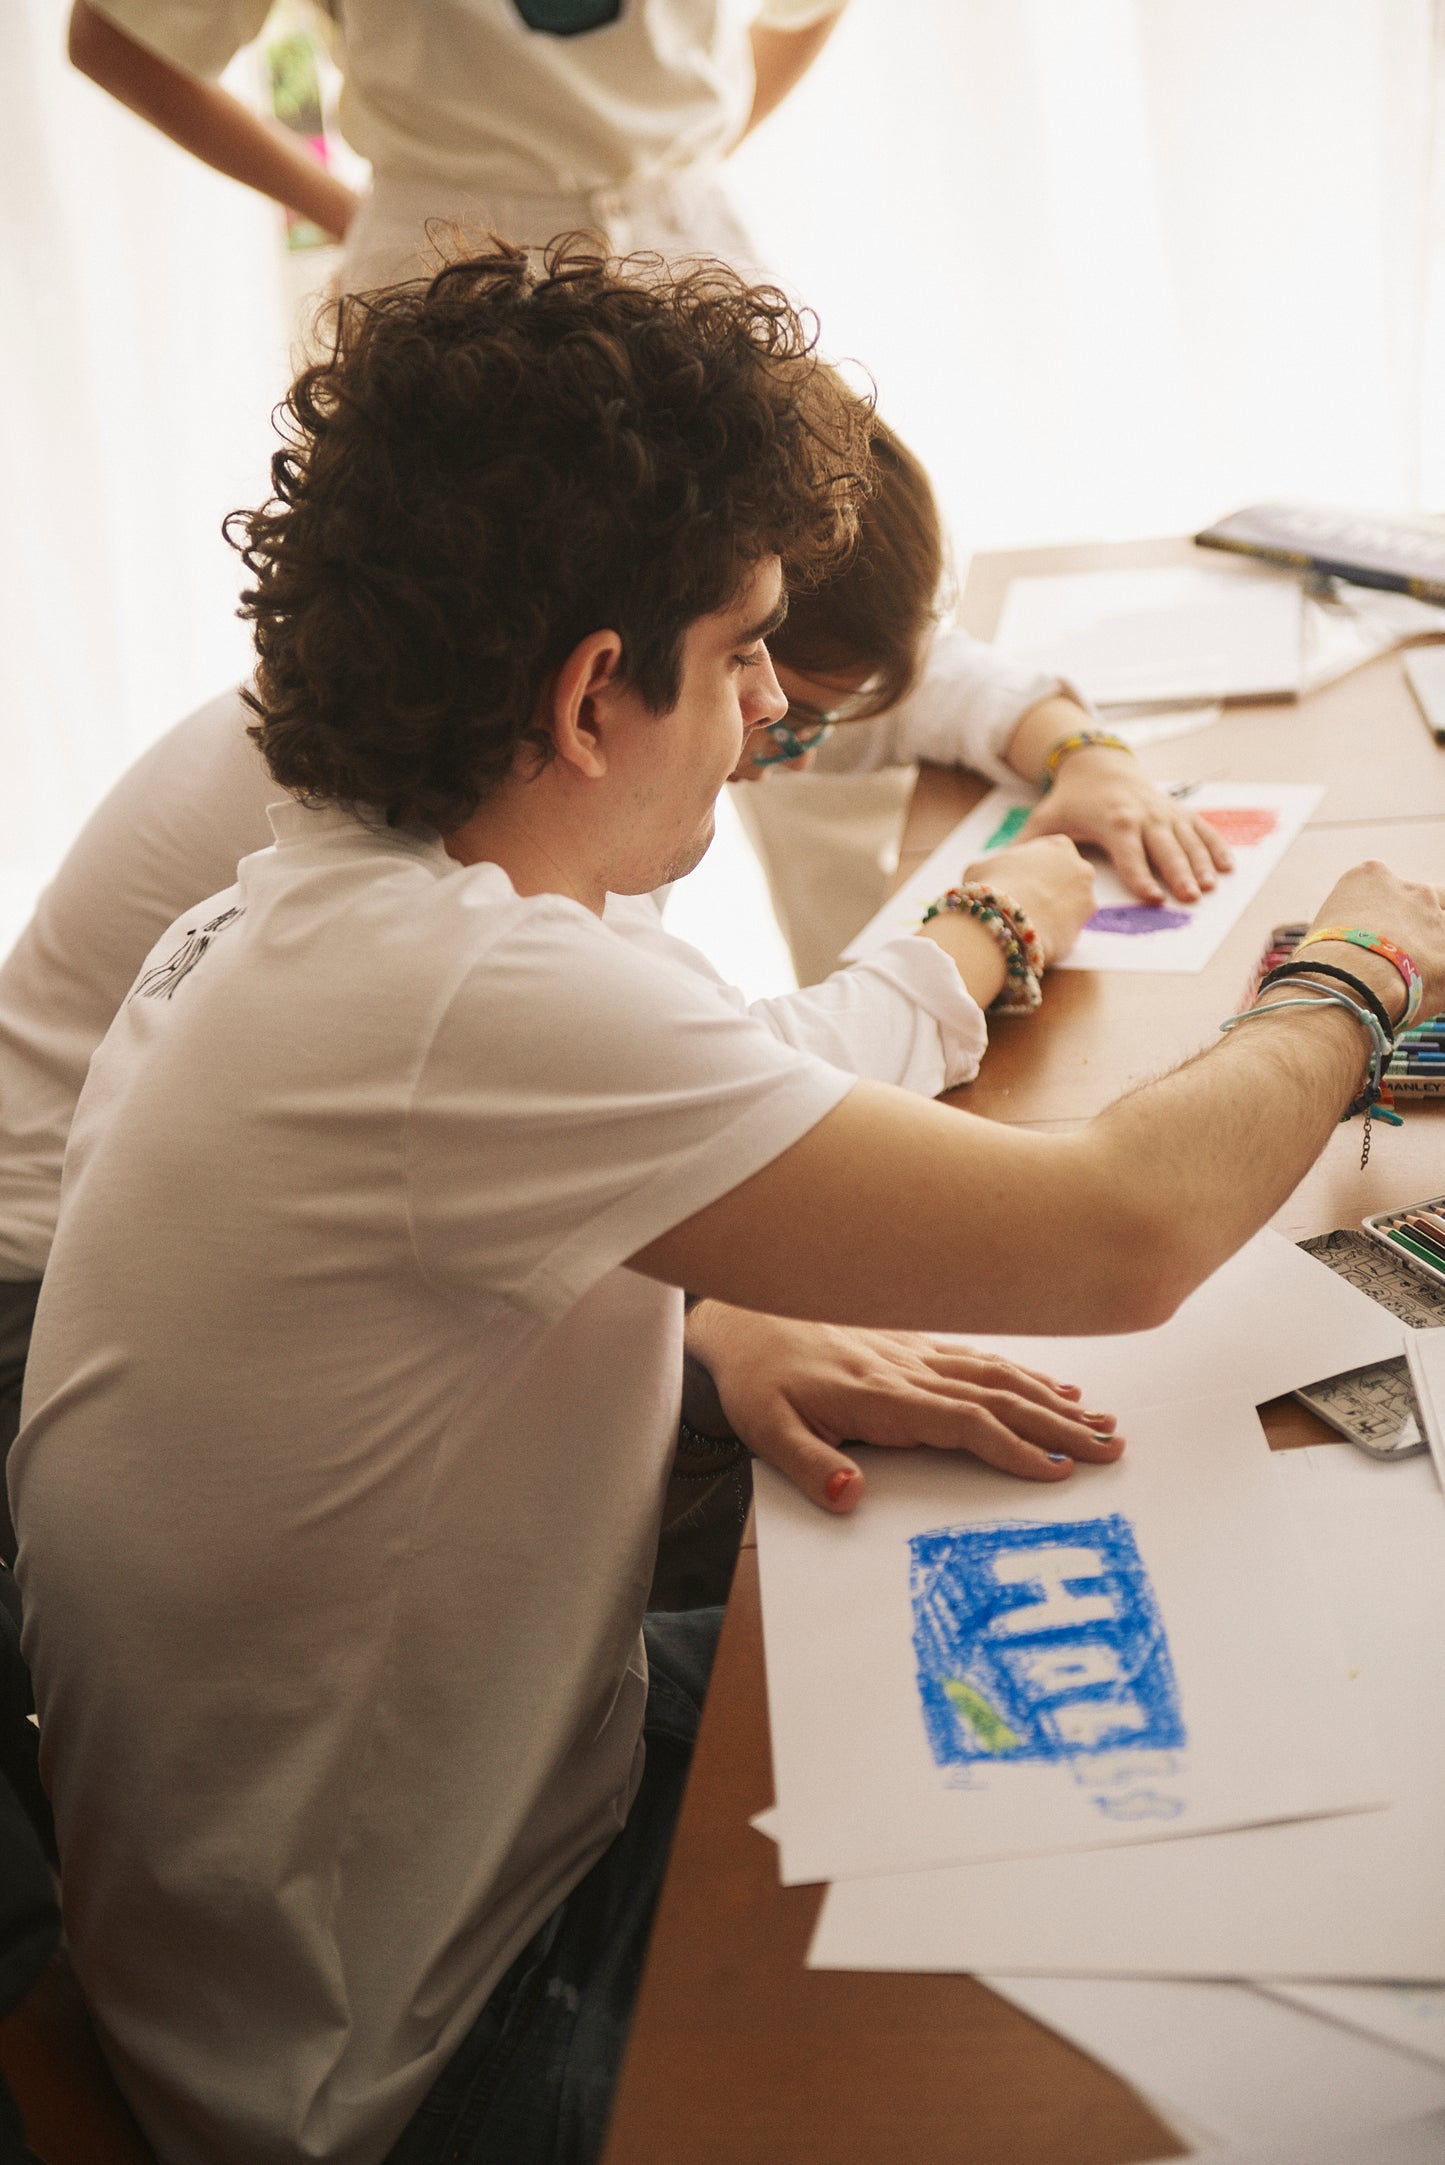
x: 790, y: 743
x: 803, y: 728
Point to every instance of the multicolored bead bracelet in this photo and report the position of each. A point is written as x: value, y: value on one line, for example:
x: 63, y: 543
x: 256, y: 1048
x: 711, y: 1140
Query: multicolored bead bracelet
x: 1023, y: 953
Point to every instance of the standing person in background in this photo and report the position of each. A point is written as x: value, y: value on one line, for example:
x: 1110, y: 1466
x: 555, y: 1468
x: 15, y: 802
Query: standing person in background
x: 524, y: 117
x: 532, y: 118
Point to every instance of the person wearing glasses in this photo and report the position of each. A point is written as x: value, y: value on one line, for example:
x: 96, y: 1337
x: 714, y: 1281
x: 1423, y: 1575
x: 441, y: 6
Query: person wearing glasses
x: 354, y: 1379
x: 874, y: 685
x: 870, y: 684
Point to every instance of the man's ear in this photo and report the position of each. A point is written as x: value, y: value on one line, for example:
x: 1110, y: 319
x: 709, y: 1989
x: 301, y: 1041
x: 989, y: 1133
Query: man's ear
x: 578, y: 700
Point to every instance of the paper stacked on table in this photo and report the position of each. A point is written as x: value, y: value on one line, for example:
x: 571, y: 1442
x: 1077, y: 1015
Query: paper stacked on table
x: 1258, y: 820
x: 1167, y: 632
x: 1175, y: 1721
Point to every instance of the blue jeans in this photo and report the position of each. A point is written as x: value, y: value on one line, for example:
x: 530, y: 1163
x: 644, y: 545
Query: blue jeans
x: 532, y: 2081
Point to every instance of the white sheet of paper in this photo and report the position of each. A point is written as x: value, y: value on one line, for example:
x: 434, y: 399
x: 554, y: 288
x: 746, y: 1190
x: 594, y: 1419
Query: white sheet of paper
x: 1360, y: 1898
x: 1425, y: 1352
x: 1410, y: 2016
x: 973, y: 1667
x: 1223, y: 2061
x: 1259, y: 819
x: 1168, y: 632
x: 1343, y: 1467
x: 1403, y: 2142
x: 1269, y: 1319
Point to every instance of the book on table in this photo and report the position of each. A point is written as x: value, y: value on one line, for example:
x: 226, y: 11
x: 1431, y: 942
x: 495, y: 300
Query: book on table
x: 1401, y: 553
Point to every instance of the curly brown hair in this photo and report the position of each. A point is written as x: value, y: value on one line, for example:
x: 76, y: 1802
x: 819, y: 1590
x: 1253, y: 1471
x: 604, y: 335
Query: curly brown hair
x: 491, y: 464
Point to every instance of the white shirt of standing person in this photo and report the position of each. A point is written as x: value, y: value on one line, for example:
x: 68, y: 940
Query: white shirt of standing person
x: 514, y: 97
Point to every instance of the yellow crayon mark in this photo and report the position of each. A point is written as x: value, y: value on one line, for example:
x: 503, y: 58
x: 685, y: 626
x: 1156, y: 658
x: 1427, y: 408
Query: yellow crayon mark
x: 992, y: 1731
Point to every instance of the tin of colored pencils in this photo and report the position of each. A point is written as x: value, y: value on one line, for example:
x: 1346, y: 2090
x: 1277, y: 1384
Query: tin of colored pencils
x: 1416, y: 1235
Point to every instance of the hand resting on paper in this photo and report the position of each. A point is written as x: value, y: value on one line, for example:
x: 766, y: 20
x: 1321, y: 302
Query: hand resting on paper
x: 796, y: 1392
x: 1156, y: 844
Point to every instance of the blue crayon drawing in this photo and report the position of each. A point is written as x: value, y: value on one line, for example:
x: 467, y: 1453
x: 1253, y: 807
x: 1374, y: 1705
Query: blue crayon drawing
x: 1040, y: 1641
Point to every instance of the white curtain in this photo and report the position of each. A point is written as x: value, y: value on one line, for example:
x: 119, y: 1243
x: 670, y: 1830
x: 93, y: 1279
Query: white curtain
x: 143, y: 342
x: 1117, y: 265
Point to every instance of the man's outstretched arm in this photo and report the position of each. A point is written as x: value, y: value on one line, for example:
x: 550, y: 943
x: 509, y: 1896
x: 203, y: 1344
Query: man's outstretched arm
x: 898, y: 1213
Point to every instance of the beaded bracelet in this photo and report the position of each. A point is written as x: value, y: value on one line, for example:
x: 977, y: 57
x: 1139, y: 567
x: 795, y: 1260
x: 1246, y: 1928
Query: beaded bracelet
x: 1376, y: 944
x: 1374, y: 1100
x: 1023, y: 953
x: 1079, y: 741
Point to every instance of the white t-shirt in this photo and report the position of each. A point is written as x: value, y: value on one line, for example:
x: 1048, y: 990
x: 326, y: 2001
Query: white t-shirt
x: 177, y: 824
x: 344, y: 1447
x: 514, y: 96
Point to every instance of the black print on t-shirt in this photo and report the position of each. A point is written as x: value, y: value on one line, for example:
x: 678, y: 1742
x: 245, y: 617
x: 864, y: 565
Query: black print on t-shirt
x: 568, y: 18
x: 161, y: 982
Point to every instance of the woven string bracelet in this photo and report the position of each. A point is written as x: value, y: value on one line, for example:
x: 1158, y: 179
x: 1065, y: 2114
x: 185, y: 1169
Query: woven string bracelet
x: 1078, y: 741
x: 1284, y: 971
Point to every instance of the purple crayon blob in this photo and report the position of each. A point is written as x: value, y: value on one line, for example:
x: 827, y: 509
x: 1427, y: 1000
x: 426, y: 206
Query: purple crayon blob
x: 1135, y: 917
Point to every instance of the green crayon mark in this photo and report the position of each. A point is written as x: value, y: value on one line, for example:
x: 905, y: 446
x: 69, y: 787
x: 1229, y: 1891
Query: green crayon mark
x: 1007, y: 827
x: 992, y: 1731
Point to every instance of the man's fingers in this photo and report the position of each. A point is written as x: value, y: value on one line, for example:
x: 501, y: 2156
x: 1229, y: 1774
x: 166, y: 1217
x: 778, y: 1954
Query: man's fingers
x: 983, y: 1372
x: 827, y: 1477
x: 1050, y: 1428
x: 1001, y: 1442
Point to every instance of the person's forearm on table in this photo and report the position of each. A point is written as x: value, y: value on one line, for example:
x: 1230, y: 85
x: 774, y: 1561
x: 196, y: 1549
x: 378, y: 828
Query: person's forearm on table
x: 1040, y: 730
x: 901, y: 1214
x: 207, y: 121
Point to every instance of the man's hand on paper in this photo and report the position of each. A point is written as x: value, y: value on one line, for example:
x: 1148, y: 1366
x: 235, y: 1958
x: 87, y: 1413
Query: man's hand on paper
x: 796, y: 1392
x: 1052, y: 884
x: 1155, y: 843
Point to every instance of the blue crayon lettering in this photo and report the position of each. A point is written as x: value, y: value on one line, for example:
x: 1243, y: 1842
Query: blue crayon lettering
x: 1041, y: 1642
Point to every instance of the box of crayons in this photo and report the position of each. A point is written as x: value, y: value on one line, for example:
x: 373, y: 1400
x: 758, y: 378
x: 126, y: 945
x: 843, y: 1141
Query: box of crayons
x: 1417, y: 1235
x: 1417, y: 1064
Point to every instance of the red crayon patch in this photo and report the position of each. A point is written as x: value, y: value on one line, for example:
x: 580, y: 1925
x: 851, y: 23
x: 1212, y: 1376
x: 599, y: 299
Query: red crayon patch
x: 1242, y: 823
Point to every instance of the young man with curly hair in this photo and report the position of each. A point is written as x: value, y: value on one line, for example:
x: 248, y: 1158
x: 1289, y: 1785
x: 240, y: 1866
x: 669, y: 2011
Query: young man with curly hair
x: 353, y: 1385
